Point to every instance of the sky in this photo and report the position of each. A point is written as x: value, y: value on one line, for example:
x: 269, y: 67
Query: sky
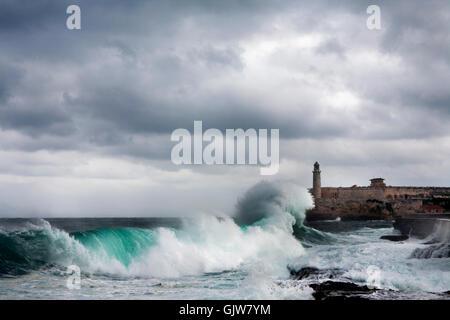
x: 86, y: 115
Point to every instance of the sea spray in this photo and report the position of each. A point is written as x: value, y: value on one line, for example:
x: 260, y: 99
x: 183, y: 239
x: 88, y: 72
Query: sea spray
x: 273, y: 199
x: 250, y: 260
x: 213, y: 245
x: 264, y: 240
x: 261, y: 236
x: 357, y: 252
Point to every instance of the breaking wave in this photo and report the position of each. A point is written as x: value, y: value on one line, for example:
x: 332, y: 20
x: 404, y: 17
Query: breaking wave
x: 260, y: 236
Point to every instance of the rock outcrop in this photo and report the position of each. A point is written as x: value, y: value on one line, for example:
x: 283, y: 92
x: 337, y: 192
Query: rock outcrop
x: 441, y: 250
x: 393, y: 237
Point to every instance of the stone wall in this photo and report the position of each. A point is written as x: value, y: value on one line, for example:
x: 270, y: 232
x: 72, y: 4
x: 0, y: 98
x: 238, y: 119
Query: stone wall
x: 373, y: 202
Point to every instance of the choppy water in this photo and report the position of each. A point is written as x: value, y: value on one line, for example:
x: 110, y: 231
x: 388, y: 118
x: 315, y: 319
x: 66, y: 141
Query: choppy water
x: 208, y: 257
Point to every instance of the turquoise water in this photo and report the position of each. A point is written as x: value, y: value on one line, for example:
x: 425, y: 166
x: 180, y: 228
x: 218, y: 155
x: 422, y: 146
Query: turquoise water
x: 132, y: 263
x: 206, y: 257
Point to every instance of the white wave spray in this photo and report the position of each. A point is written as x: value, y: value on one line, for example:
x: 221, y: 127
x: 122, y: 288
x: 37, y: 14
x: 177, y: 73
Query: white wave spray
x: 260, y: 237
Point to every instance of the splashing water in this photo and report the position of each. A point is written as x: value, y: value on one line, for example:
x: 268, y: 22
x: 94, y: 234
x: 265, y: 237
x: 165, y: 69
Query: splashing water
x: 260, y: 238
x: 209, y: 257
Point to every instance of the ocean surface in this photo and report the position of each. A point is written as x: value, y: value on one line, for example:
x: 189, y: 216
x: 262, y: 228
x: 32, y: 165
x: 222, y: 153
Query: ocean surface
x: 249, y: 257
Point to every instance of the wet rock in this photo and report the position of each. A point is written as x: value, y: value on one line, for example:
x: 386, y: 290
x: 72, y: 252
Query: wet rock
x: 395, y: 237
x: 435, y: 251
x: 314, y: 273
x: 432, y: 241
x: 332, y: 290
x: 330, y: 284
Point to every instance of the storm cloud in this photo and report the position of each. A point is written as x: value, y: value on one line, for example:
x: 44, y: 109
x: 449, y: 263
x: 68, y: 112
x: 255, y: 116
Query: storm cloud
x: 91, y: 111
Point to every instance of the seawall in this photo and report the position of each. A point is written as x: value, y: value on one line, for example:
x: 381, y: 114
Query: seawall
x: 437, y: 226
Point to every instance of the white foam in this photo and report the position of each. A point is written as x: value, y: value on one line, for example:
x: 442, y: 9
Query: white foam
x: 210, y: 244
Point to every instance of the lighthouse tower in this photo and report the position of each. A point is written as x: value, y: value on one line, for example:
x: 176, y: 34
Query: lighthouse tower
x: 316, y: 190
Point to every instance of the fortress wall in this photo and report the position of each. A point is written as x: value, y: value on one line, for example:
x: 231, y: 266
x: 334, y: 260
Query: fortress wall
x: 401, y: 192
x: 432, y: 189
x: 393, y: 193
x: 387, y: 193
x: 334, y: 208
x: 407, y: 206
x: 358, y: 194
x: 358, y: 201
x: 377, y: 201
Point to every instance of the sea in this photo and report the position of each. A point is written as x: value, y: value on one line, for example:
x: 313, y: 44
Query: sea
x: 255, y: 254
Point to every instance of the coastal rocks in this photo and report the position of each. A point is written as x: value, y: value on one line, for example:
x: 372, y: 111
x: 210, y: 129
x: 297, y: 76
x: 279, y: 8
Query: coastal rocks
x: 313, y: 273
x: 400, y: 237
x: 333, y: 290
x: 435, y: 251
x: 330, y: 284
x: 326, y: 285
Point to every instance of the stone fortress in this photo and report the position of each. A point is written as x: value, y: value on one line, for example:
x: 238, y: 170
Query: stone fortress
x: 377, y: 201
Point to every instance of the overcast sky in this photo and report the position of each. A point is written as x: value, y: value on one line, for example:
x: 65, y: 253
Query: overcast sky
x: 86, y: 115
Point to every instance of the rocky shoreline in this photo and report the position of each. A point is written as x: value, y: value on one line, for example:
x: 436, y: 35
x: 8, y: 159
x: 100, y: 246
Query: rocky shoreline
x: 328, y: 284
x: 332, y: 283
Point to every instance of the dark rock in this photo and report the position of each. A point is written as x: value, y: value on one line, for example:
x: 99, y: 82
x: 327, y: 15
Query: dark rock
x: 314, y: 273
x: 302, y: 273
x: 343, y: 289
x: 395, y: 237
x: 360, y: 217
x: 331, y: 290
x: 432, y: 241
x: 435, y: 251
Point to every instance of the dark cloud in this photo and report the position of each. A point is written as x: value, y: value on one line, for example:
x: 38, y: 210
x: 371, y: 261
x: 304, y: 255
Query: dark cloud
x: 9, y: 79
x: 416, y: 33
x: 36, y: 121
x: 29, y: 15
x: 140, y: 69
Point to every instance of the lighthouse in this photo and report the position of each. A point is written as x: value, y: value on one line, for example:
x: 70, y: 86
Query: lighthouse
x: 317, y: 190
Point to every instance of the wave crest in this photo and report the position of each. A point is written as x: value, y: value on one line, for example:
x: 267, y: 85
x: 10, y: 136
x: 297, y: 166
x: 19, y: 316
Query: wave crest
x: 262, y: 239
